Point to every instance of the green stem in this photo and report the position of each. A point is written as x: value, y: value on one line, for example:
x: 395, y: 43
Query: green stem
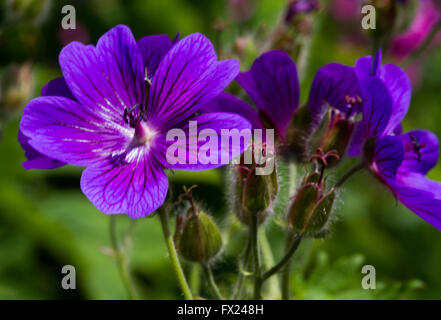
x: 211, y: 283
x: 268, y: 260
x: 423, y: 46
x: 285, y: 259
x: 349, y: 173
x: 173, y: 255
x: 194, y: 280
x: 243, y: 262
x: 256, y: 255
x: 122, y: 260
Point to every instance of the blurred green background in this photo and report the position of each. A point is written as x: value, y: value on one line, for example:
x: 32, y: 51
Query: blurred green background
x: 46, y: 222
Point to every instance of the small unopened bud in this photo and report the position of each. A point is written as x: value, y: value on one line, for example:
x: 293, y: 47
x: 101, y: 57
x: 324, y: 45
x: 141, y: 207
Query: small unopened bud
x: 337, y: 136
x: 310, y: 211
x: 255, y: 193
x: 197, y: 238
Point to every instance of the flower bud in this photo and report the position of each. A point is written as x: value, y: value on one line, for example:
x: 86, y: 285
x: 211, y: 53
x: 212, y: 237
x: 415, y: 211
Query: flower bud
x: 255, y: 193
x: 337, y: 136
x: 197, y: 238
x: 310, y: 211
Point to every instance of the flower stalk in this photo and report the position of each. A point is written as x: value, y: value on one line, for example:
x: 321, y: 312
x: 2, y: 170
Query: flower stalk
x: 163, y: 216
x: 211, y: 282
x: 121, y: 259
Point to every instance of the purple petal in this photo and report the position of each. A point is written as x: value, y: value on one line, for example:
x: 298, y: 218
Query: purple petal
x: 187, y: 78
x: 153, y: 49
x: 136, y: 188
x: 331, y: 85
x: 396, y: 81
x: 419, y: 194
x: 398, y: 84
x: 57, y: 87
x: 65, y: 130
x: 377, y: 106
x: 388, y: 155
x: 36, y: 160
x: 273, y: 85
x: 226, y: 102
x: 210, y: 128
x: 421, y: 151
x: 108, y: 78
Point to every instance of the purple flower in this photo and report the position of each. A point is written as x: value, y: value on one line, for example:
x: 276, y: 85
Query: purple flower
x: 273, y: 85
x: 427, y: 16
x: 400, y: 161
x: 123, y: 97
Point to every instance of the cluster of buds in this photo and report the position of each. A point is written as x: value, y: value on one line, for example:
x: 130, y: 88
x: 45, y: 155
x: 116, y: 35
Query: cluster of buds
x: 197, y: 237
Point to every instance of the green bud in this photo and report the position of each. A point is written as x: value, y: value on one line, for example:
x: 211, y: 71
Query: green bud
x: 310, y: 211
x: 337, y: 137
x: 197, y: 238
x: 255, y: 194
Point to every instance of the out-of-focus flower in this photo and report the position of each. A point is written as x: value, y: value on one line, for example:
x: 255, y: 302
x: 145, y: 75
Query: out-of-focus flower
x: 296, y: 7
x: 345, y: 10
x: 128, y: 95
x: 400, y: 161
x: 427, y: 15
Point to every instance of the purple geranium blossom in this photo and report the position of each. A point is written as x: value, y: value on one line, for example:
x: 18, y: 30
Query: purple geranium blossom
x: 399, y: 89
x: 125, y: 97
x: 273, y: 85
x: 400, y: 161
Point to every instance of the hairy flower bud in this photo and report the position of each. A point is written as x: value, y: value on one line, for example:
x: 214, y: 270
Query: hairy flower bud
x: 337, y: 136
x: 255, y: 193
x: 197, y: 238
x: 310, y: 210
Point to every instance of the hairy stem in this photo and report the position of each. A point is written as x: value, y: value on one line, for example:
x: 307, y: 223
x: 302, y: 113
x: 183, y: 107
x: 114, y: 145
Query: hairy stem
x: 173, y: 255
x: 268, y: 260
x: 121, y: 259
x: 256, y: 255
x: 285, y: 259
x: 211, y: 282
x: 349, y: 173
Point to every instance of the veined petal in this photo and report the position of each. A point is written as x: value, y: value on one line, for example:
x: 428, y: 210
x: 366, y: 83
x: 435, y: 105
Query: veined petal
x: 137, y: 187
x: 35, y: 159
x: 57, y: 87
x: 421, y: 151
x: 377, y: 106
x: 400, y: 89
x: 65, y: 130
x: 273, y: 85
x: 396, y: 81
x: 226, y: 102
x: 210, y: 129
x: 153, y: 49
x: 388, y: 155
x: 108, y: 78
x: 419, y: 194
x: 331, y: 85
x: 187, y: 78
